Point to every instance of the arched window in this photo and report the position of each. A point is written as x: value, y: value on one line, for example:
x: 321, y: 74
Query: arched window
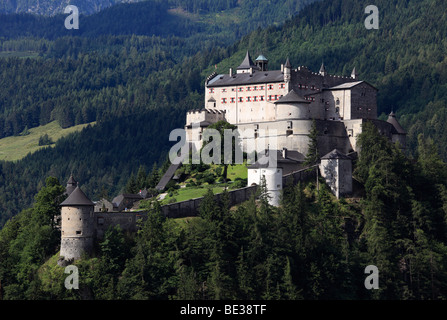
x: 337, y: 102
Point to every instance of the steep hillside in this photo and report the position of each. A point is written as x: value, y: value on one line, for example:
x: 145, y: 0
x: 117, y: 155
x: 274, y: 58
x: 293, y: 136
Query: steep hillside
x: 51, y: 7
x: 114, y: 78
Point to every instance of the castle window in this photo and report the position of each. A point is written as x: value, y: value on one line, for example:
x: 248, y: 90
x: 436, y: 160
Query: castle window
x: 224, y: 90
x: 270, y: 86
x: 282, y: 86
x: 289, y: 124
x: 248, y: 99
x: 255, y: 88
x: 240, y: 89
x: 231, y: 100
x: 255, y: 98
x: 240, y: 99
x: 337, y: 109
x: 224, y: 100
x: 78, y: 232
x: 270, y: 98
x: 261, y: 98
x: 261, y: 88
x: 289, y: 132
x: 350, y: 132
x: 211, y: 90
x: 233, y: 89
x: 337, y: 102
x: 248, y: 89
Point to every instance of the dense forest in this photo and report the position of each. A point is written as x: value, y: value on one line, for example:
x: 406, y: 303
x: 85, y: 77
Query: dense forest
x: 138, y: 86
x: 312, y: 247
x: 132, y: 80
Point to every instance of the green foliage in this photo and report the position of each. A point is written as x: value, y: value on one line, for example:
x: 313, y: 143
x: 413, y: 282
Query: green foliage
x: 312, y: 156
x: 311, y: 247
x: 45, y: 140
x: 28, y: 240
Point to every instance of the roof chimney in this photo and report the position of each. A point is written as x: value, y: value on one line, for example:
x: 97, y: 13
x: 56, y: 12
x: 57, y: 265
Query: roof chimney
x: 282, y: 67
x: 231, y: 72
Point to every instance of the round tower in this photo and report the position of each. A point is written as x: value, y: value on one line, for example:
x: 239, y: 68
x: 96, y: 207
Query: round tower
x: 77, y: 225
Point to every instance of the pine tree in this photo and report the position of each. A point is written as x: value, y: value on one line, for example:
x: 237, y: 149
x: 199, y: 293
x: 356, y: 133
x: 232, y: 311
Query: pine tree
x: 312, y: 156
x: 141, y: 178
x: 131, y: 186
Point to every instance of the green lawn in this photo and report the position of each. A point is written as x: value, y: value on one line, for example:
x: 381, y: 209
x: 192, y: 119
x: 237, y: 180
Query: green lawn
x: 237, y: 171
x: 188, y: 193
x: 16, y: 147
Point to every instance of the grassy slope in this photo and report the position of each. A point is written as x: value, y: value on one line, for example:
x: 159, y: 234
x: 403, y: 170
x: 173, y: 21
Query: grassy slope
x: 187, y: 193
x: 16, y: 147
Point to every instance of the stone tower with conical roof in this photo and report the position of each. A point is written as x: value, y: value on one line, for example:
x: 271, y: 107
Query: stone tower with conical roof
x: 77, y: 225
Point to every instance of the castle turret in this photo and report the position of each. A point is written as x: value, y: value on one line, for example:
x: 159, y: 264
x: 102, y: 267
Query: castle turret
x: 262, y: 62
x: 322, y: 71
x: 287, y: 71
x: 398, y: 133
x: 354, y: 74
x: 71, y: 185
x: 77, y: 225
x: 247, y: 65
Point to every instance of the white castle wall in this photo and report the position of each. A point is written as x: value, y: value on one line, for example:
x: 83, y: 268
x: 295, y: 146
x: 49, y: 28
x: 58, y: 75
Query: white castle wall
x: 273, y: 182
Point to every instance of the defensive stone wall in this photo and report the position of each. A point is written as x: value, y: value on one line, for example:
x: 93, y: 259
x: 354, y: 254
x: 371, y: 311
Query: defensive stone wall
x: 190, y: 208
x: 297, y: 176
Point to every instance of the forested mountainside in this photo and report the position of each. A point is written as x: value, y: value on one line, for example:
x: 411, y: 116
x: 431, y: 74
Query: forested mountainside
x: 313, y: 247
x: 81, y: 79
x: 114, y: 72
x: 50, y: 8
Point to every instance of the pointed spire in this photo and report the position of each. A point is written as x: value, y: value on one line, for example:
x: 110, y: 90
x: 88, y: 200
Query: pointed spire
x: 288, y: 65
x: 247, y: 63
x: 71, y: 185
x: 322, y: 70
x: 77, y: 198
x: 354, y: 74
x: 393, y: 120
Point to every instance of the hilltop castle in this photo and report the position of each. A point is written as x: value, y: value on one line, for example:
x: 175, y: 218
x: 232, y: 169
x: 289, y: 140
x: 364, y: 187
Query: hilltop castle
x: 282, y: 104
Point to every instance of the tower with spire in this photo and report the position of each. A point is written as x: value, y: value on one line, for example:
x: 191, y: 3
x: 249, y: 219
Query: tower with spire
x: 287, y: 71
x: 77, y: 224
x: 247, y: 65
x: 322, y: 71
x: 71, y: 185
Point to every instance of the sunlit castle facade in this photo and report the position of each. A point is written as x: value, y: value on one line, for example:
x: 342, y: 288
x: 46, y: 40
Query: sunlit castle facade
x: 282, y: 104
